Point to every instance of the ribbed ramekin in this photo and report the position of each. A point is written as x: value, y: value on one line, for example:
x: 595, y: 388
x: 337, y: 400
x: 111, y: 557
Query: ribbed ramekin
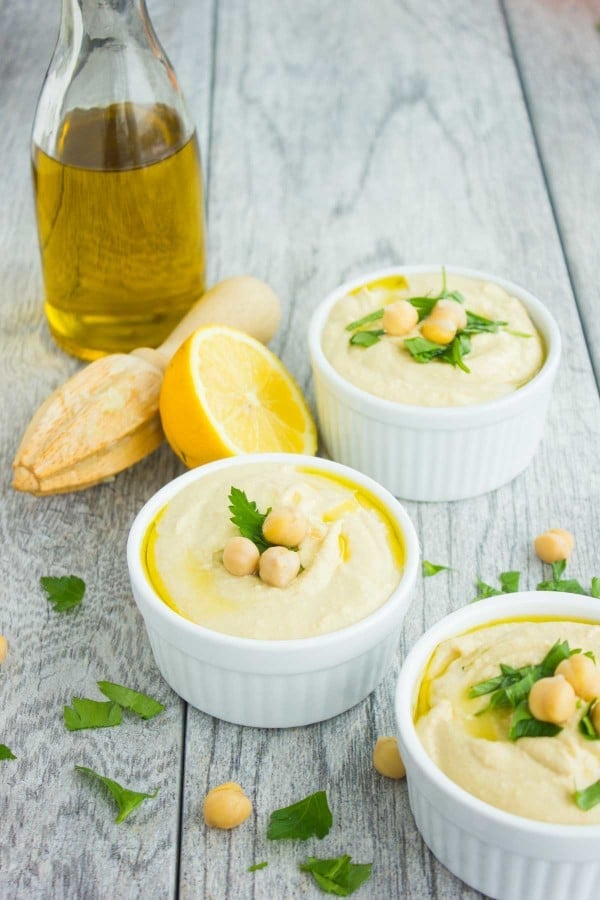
x: 502, y: 855
x: 271, y: 684
x: 433, y: 453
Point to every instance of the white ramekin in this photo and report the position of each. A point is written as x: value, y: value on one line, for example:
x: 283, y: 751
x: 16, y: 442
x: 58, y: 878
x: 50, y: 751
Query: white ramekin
x: 433, y: 453
x: 271, y: 684
x: 502, y: 855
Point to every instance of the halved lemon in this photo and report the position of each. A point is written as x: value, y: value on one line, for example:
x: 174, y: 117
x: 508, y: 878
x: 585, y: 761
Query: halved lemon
x: 225, y: 393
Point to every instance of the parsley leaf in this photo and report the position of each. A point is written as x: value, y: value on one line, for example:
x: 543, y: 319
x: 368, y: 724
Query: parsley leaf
x: 248, y: 518
x: 456, y: 350
x: 524, y: 725
x: 509, y: 584
x: 479, y: 324
x: 301, y: 820
x: 366, y: 338
x: 429, y: 568
x: 595, y: 589
x: 65, y: 592
x: 91, y: 714
x: 556, y: 583
x: 338, y: 876
x: 257, y: 866
x: 588, y: 797
x: 366, y: 320
x: 145, y: 706
x: 586, y: 726
x: 423, y: 350
x: 5, y: 753
x: 126, y: 800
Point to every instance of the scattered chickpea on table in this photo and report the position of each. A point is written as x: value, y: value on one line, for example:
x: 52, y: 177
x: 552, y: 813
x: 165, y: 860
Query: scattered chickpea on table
x: 226, y: 806
x: 386, y: 758
x: 3, y: 648
x: 554, y: 545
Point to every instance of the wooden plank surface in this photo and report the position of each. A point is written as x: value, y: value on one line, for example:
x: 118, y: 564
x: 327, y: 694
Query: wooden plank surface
x: 57, y: 834
x: 336, y: 150
x: 341, y: 138
x: 558, y: 51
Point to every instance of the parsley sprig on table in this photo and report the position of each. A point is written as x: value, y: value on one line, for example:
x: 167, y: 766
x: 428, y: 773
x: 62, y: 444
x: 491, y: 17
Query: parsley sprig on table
x: 6, y: 752
x: 86, y: 713
x: 125, y: 799
x: 339, y: 876
x: 246, y: 515
x: 308, y: 817
x: 65, y: 592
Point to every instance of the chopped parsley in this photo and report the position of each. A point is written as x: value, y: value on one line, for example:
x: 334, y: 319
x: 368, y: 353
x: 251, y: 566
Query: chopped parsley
x: 6, y: 753
x: 308, y: 817
x: 586, y: 726
x: 91, y: 714
x: 141, y: 704
x: 125, y: 799
x: 588, y: 797
x: 428, y: 568
x: 257, y: 866
x: 509, y: 584
x: 511, y: 689
x: 339, y: 876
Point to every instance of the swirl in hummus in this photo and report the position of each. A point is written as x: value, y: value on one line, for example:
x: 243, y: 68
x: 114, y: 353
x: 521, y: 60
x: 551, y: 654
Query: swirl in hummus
x: 535, y: 777
x: 352, y: 555
x: 498, y: 362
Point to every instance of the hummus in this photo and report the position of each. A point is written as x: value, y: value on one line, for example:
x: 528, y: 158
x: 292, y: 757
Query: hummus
x: 499, y: 363
x: 352, y: 555
x: 533, y: 777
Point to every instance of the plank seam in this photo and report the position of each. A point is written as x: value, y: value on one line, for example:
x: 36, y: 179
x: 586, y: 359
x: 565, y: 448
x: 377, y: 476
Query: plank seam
x: 547, y: 185
x: 180, y: 818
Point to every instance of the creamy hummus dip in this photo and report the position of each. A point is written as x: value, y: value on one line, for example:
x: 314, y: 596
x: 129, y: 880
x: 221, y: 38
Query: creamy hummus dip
x: 533, y: 777
x: 352, y: 555
x: 499, y: 363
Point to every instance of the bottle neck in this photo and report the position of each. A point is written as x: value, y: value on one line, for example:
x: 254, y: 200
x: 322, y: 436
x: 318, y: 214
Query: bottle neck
x: 105, y: 22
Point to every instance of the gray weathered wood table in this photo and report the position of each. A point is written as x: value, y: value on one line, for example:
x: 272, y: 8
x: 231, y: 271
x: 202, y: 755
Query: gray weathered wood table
x: 338, y: 136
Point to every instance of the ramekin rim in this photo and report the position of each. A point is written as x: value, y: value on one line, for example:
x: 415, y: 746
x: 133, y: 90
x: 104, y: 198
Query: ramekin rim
x: 439, y: 413
x: 509, y: 606
x: 142, y: 520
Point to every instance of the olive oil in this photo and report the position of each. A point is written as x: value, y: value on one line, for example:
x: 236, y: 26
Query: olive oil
x: 120, y: 215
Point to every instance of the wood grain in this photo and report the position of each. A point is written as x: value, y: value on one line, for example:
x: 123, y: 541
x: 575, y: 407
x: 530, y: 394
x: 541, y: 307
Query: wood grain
x: 558, y: 51
x: 337, y: 137
x: 57, y: 831
x: 335, y: 151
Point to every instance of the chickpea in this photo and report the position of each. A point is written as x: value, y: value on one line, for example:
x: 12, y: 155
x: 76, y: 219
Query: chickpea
x: 226, y: 806
x: 554, y: 545
x: 285, y: 526
x: 552, y: 700
x: 399, y: 318
x: 279, y: 566
x: 3, y: 648
x: 581, y: 673
x: 452, y: 311
x: 595, y: 717
x: 386, y: 758
x: 240, y: 556
x: 440, y: 331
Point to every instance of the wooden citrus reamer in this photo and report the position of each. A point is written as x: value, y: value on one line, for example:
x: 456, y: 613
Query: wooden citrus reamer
x: 105, y: 418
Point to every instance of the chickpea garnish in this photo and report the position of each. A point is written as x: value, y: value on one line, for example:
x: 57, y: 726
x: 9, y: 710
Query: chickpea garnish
x: 285, y: 526
x: 581, y: 673
x: 552, y: 700
x: 226, y: 806
x: 440, y: 331
x: 595, y: 717
x: 451, y: 311
x: 399, y: 318
x: 279, y: 566
x: 386, y: 758
x: 554, y: 545
x: 240, y: 556
x: 3, y: 648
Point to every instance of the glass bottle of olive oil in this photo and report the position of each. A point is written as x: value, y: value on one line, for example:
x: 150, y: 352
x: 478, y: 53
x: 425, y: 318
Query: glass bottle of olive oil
x: 118, y: 184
